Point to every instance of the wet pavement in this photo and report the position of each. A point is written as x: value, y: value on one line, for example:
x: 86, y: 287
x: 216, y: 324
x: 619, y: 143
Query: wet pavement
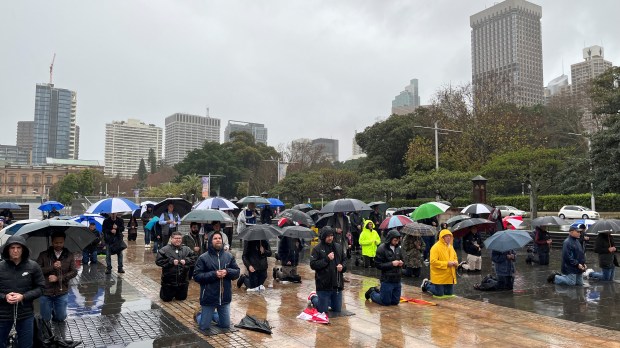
x: 125, y: 311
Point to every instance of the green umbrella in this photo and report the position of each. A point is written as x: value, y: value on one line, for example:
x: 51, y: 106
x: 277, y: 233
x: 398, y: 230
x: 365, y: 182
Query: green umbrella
x: 207, y: 215
x: 428, y: 210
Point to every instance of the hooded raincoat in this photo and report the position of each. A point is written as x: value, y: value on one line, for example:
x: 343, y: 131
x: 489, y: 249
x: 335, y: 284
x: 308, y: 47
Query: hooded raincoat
x: 369, y: 240
x: 25, y: 278
x: 327, y: 277
x: 441, y: 254
x: 215, y: 291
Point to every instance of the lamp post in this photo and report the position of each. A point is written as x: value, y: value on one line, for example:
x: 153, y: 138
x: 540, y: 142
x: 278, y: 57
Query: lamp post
x: 437, y: 129
x: 592, y: 199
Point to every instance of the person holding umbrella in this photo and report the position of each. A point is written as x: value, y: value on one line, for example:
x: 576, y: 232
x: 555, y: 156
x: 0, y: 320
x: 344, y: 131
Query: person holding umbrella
x: 58, y: 267
x: 146, y: 217
x: 255, y: 254
x: 504, y: 263
x: 413, y: 249
x: 21, y: 282
x: 113, y: 228
x: 605, y: 247
x: 8, y: 216
x: 472, y: 244
x: 169, y: 221
x: 53, y: 213
x: 542, y: 241
x: 288, y: 253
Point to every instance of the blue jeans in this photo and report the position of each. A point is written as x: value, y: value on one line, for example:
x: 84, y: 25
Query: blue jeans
x: 569, y: 279
x: 147, y: 236
x: 89, y: 256
x: 54, y: 307
x: 223, y: 316
x: 25, y: 332
x: 606, y: 274
x: 108, y: 258
x: 327, y: 299
x: 388, y: 295
x: 440, y: 289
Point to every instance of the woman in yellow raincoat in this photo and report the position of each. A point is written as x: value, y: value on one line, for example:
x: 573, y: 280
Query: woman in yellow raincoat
x: 369, y: 240
x: 443, y: 265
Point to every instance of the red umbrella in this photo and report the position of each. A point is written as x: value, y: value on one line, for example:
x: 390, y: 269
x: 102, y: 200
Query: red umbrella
x: 395, y: 221
x: 513, y: 221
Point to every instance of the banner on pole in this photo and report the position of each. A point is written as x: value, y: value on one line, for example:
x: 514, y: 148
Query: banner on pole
x: 206, y: 186
x: 282, y: 171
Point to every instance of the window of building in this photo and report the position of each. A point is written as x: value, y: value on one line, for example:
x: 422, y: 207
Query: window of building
x: 48, y: 180
x: 11, y: 179
x: 24, y: 179
x: 23, y: 190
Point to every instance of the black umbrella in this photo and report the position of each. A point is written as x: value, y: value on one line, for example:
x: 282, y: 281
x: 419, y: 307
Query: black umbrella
x: 604, y: 226
x: 251, y: 323
x: 9, y: 205
x: 456, y: 219
x: 259, y: 232
x: 462, y: 227
x: 322, y: 221
x: 298, y: 232
x: 297, y: 216
x: 548, y: 221
x: 38, y: 235
x: 181, y: 206
x: 253, y: 199
x: 303, y: 207
x: 404, y: 211
x: 345, y: 205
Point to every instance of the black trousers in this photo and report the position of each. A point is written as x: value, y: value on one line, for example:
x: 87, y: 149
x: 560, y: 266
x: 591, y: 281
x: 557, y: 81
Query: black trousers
x: 255, y: 279
x: 169, y: 292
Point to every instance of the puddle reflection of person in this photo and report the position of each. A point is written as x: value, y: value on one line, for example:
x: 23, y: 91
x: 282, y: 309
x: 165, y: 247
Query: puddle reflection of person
x: 112, y: 298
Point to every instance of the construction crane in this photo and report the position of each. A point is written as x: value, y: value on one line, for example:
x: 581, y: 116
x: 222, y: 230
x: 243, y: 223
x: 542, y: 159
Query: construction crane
x: 52, y: 67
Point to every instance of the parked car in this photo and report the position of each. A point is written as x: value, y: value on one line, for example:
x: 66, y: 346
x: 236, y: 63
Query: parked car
x: 390, y: 212
x: 508, y: 210
x: 577, y: 212
x: 10, y: 230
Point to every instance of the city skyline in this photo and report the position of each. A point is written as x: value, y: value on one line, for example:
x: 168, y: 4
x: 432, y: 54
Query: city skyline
x: 319, y: 73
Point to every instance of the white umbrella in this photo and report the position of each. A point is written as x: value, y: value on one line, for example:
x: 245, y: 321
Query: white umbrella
x: 112, y: 205
x: 477, y: 208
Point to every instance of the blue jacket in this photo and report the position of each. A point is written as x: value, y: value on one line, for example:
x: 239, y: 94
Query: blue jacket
x: 572, y: 255
x: 503, y: 266
x: 213, y: 290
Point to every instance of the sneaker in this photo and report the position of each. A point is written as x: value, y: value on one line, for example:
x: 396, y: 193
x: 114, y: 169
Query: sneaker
x: 253, y: 289
x: 240, y: 280
x: 426, y: 263
x: 261, y: 287
x: 424, y: 284
x: 369, y: 291
x: 460, y: 267
x: 108, y: 271
x: 551, y: 277
x: 120, y: 270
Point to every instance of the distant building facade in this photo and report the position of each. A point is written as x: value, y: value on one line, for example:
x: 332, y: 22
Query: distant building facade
x: 357, y: 150
x: 15, y: 154
x: 126, y: 143
x: 559, y: 86
x: 18, y: 181
x: 185, y: 133
x: 582, y: 73
x: 54, y: 123
x: 506, y: 49
x: 329, y: 146
x: 408, y: 100
x: 25, y: 134
x: 257, y: 130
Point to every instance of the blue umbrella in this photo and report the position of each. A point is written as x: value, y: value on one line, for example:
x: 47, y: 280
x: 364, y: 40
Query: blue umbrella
x: 86, y: 219
x: 151, y: 223
x: 51, y: 205
x: 274, y: 202
x: 112, y: 205
x: 507, y: 240
x: 586, y: 222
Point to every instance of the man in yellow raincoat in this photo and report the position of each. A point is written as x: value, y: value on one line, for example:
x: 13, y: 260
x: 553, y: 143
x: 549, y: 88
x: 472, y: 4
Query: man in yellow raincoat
x: 369, y: 240
x: 443, y: 264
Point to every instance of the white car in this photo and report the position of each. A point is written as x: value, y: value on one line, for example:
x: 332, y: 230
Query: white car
x: 390, y: 212
x: 577, y: 212
x: 508, y: 210
x: 10, y: 230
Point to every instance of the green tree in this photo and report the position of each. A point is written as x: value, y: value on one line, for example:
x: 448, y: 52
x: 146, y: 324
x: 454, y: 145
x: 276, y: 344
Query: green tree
x: 152, y: 159
x: 605, y: 92
x: 444, y: 183
x: 142, y: 174
x: 420, y: 155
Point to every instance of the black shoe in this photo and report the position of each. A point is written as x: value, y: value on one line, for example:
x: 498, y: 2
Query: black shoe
x: 120, y: 270
x: 424, y: 284
x: 240, y: 280
x: 369, y: 291
x: 108, y: 271
x: 551, y: 277
x: 275, y: 272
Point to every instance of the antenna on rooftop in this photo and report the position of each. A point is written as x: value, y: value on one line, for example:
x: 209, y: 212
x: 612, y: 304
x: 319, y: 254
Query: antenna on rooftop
x: 52, y: 67
x: 207, y: 111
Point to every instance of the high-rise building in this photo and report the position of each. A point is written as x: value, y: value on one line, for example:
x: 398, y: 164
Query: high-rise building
x: 126, y: 143
x: 357, y: 150
x: 506, y: 49
x: 559, y: 86
x: 185, y: 133
x: 74, y: 143
x: 257, y: 130
x: 25, y: 134
x: 408, y: 100
x: 14, y: 154
x: 54, y: 123
x: 329, y: 146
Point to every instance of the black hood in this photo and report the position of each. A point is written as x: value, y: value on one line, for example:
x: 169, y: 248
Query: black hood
x: 391, y: 235
x: 325, y: 232
x: 15, y: 240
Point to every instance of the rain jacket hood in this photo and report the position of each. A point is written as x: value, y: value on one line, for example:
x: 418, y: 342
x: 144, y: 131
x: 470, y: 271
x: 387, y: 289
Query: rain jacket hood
x: 391, y: 235
x: 325, y: 232
x: 16, y: 240
x: 441, y: 254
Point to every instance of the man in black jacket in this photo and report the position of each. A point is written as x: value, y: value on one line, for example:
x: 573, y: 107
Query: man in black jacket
x: 605, y: 247
x: 113, y: 228
x: 175, y: 260
x: 389, y: 260
x: 472, y: 244
x: 21, y: 282
x: 255, y: 254
x: 327, y: 261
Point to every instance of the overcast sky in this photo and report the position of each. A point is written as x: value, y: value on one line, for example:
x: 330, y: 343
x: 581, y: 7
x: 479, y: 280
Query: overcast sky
x: 306, y: 69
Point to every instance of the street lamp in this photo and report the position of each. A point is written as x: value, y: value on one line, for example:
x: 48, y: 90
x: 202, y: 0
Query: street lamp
x: 437, y: 129
x: 592, y: 199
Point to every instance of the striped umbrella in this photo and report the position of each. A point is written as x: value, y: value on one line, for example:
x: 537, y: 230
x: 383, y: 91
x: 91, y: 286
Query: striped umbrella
x: 112, y: 205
